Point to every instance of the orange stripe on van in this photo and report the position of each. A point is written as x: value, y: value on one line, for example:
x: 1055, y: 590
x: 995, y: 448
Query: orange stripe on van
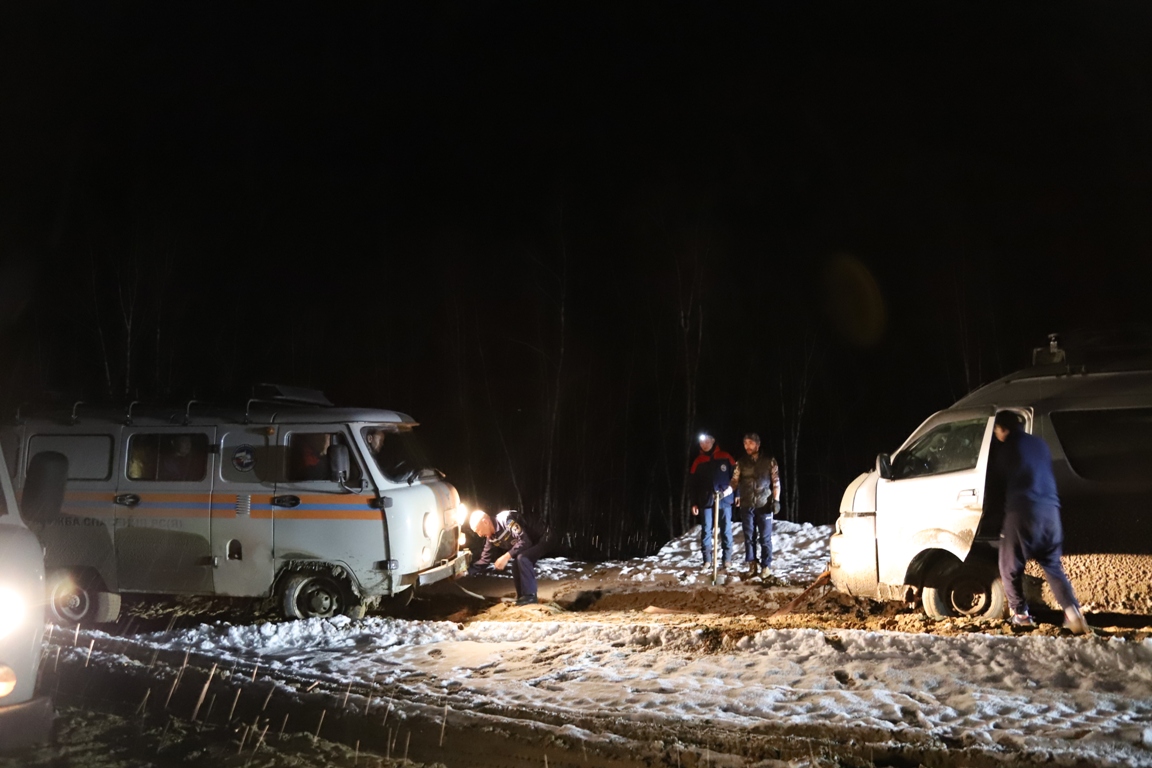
x: 331, y: 500
x: 328, y: 514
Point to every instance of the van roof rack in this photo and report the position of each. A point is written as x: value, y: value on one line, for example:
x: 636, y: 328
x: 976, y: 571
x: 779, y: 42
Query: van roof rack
x: 283, y: 393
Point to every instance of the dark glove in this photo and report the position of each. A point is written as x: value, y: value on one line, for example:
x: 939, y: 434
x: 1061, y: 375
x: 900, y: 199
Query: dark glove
x: 477, y: 570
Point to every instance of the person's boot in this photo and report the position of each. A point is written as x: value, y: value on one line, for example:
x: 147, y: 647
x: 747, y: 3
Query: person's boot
x: 1022, y: 620
x: 526, y: 600
x: 766, y: 572
x: 1074, y: 620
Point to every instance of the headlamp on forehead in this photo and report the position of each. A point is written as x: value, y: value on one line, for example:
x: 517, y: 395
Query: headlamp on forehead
x: 705, y: 436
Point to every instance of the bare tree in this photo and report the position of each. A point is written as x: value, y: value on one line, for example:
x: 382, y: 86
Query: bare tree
x: 795, y: 377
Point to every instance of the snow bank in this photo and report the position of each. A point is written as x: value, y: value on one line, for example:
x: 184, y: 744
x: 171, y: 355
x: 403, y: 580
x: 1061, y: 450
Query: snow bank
x: 800, y: 554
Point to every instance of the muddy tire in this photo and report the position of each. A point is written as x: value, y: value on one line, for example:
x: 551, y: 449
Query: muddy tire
x: 316, y: 596
x: 74, y: 599
x: 971, y: 590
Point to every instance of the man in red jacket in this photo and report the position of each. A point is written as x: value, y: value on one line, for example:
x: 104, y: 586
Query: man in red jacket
x: 711, y: 472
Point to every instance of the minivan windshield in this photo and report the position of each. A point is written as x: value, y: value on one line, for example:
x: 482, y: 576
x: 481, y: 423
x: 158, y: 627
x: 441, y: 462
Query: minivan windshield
x: 948, y: 447
x: 399, y: 454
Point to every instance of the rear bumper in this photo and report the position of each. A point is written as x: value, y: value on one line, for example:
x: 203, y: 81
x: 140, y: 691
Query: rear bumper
x: 449, y: 570
x: 25, y: 724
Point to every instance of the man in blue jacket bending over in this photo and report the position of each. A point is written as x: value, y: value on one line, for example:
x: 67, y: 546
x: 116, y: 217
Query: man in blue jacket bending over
x: 1032, y: 526
x: 510, y: 538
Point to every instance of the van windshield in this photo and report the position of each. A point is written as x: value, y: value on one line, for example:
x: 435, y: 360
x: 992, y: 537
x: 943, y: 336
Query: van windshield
x: 948, y: 447
x: 399, y: 455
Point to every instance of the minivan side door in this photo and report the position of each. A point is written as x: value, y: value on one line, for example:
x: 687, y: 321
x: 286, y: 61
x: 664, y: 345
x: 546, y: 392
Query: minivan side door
x: 934, y: 498
x: 242, y: 510
x: 164, y: 510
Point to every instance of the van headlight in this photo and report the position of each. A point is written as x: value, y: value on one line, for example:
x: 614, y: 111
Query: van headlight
x: 431, y: 524
x: 461, y: 515
x: 7, y: 680
x: 12, y: 610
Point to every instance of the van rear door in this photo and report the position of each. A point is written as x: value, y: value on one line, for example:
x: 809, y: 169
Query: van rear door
x: 163, y: 510
x: 934, y: 498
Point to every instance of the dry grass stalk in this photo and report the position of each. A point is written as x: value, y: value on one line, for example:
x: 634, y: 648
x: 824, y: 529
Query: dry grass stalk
x: 407, y: 739
x: 268, y: 698
x: 312, y: 687
x: 203, y: 693
x: 208, y: 714
x: 316, y: 736
x: 356, y: 758
x: 76, y: 637
x: 56, y: 665
x: 234, y: 702
x: 283, y: 725
x: 443, y: 724
x: 144, y: 702
x: 244, y: 738
x: 347, y: 691
x: 172, y: 690
x: 254, y: 671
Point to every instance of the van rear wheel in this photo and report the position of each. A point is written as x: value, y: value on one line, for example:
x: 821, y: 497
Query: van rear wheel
x: 315, y: 596
x: 971, y: 590
x: 74, y: 599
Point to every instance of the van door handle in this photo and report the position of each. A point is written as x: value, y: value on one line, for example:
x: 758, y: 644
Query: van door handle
x: 286, y: 501
x: 967, y: 495
x: 127, y: 499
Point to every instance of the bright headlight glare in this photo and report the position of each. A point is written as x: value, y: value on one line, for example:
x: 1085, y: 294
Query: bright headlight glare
x: 461, y: 540
x: 12, y: 610
x: 431, y: 525
x: 461, y: 515
x: 426, y: 555
x: 7, y: 680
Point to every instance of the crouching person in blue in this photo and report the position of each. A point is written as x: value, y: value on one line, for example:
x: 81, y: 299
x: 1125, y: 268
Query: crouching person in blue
x: 711, y: 472
x: 510, y: 539
x: 1032, y: 526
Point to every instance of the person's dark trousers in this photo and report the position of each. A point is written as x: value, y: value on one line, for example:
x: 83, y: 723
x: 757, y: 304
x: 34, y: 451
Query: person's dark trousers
x: 725, y: 531
x: 524, y: 568
x: 748, y: 526
x: 1035, y: 535
x: 762, y: 520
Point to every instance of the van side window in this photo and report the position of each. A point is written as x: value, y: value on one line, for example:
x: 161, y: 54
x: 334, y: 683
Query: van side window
x: 950, y: 447
x: 167, y: 457
x: 1111, y: 446
x: 89, y: 456
x: 308, y: 457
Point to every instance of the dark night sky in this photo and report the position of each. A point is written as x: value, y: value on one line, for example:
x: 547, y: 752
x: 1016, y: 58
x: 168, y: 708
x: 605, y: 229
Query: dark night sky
x: 391, y: 202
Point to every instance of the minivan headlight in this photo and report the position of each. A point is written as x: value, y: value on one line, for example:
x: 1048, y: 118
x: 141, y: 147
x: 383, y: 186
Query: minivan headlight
x: 12, y: 610
x: 7, y: 680
x: 461, y: 515
x: 431, y: 524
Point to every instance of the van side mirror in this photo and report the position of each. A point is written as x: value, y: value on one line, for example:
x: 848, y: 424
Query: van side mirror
x: 884, y: 466
x: 339, y: 463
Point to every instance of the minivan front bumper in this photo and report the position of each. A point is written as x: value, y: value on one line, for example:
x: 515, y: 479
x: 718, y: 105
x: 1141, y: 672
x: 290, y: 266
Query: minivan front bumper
x: 25, y: 724
x: 449, y: 570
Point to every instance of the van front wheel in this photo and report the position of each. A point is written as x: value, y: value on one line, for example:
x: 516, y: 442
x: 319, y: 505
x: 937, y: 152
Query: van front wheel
x: 74, y: 599
x: 963, y: 589
x: 314, y: 596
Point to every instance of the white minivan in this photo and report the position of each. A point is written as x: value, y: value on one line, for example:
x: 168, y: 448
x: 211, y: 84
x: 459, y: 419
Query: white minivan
x: 924, y: 523
x: 326, y: 510
x: 25, y: 718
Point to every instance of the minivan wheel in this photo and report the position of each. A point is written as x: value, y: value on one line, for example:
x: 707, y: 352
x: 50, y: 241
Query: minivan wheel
x: 314, y: 596
x: 73, y: 599
x: 962, y: 589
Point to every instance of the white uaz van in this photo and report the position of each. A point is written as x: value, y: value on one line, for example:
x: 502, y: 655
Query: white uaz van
x: 328, y: 510
x: 24, y: 717
x: 922, y: 523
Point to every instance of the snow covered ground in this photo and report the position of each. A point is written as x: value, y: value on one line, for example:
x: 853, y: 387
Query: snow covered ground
x: 592, y: 690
